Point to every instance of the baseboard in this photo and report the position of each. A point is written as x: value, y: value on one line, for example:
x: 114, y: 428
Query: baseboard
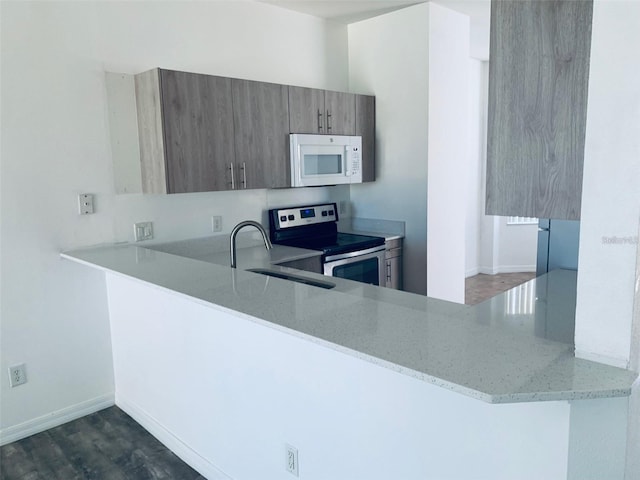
x: 507, y: 269
x: 473, y: 272
x: 516, y: 268
x: 171, y: 441
x: 56, y: 418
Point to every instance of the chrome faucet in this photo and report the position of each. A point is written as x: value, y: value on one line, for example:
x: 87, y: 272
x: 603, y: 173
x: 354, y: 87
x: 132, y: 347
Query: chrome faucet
x: 240, y: 226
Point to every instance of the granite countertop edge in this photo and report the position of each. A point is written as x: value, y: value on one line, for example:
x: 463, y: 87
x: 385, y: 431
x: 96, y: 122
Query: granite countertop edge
x: 113, y: 259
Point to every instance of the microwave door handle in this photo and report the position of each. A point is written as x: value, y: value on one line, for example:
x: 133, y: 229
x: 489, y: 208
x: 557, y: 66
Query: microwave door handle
x: 347, y: 162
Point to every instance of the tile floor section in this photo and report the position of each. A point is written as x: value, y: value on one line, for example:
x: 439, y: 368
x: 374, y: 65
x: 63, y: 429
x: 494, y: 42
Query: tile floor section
x: 107, y: 445
x: 482, y: 287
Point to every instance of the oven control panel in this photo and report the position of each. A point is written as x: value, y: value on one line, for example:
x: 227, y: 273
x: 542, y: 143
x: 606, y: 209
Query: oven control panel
x: 299, y: 216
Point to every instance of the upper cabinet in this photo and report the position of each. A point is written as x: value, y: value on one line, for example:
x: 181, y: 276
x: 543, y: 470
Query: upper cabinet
x: 340, y: 116
x: 366, y: 128
x: 538, y: 79
x: 185, y: 122
x: 327, y: 112
x: 261, y: 121
x: 321, y: 111
x: 203, y: 133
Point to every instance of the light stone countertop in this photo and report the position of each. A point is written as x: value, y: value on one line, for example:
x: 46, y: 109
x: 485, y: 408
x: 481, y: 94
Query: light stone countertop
x: 509, y: 349
x: 251, y: 251
x: 388, y: 229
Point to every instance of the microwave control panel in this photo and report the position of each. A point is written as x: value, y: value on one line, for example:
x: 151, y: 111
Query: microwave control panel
x: 355, y: 160
x: 299, y: 216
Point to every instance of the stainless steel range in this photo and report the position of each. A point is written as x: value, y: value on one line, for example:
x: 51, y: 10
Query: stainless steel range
x: 344, y: 255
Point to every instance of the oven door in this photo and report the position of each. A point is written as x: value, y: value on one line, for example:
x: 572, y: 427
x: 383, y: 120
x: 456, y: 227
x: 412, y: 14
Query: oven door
x: 365, y: 266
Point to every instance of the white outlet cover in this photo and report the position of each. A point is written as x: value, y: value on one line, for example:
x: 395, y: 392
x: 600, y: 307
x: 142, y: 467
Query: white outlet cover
x: 216, y: 223
x: 292, y: 459
x: 17, y: 375
x: 85, y: 203
x: 143, y: 231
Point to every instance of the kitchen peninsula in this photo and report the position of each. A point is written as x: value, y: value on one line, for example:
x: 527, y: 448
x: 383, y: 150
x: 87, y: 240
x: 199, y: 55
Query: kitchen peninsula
x: 227, y: 366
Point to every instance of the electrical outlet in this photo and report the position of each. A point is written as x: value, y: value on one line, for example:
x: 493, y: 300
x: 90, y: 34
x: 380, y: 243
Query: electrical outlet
x: 216, y: 223
x: 342, y: 207
x: 143, y: 231
x: 17, y: 375
x: 292, y: 460
x: 85, y: 203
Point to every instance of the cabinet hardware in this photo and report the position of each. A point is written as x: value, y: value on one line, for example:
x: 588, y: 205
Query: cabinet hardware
x: 388, y: 270
x: 319, y: 120
x: 244, y: 175
x: 328, y: 121
x: 233, y: 182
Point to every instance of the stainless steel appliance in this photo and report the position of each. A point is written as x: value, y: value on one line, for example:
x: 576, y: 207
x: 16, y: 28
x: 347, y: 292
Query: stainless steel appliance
x: 557, y: 245
x: 345, y: 255
x: 325, y: 159
x: 393, y: 257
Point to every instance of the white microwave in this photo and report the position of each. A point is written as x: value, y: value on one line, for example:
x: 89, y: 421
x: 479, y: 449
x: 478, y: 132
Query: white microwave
x: 325, y: 159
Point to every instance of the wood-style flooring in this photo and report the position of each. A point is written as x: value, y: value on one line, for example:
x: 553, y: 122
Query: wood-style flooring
x: 107, y: 445
x: 482, y: 287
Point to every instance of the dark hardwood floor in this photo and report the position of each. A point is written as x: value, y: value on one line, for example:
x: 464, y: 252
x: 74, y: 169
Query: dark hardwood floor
x: 107, y: 445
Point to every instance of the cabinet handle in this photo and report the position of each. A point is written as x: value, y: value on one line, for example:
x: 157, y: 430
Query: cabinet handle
x: 328, y: 121
x: 388, y: 269
x: 319, y: 120
x: 233, y: 181
x: 244, y: 175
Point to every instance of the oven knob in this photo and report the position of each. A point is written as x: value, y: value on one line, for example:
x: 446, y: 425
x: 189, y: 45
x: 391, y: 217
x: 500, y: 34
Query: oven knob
x: 330, y: 212
x: 324, y: 213
x: 291, y: 217
x: 283, y: 218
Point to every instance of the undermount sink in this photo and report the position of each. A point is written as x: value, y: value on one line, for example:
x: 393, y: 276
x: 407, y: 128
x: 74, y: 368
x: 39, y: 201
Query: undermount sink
x: 291, y: 277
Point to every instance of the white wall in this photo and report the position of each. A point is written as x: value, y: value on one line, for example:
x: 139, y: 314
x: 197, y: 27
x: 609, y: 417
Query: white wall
x: 250, y: 389
x: 492, y: 246
x: 55, y: 144
x: 611, y: 202
x: 448, y: 153
x: 388, y: 57
x: 505, y: 248
x: 635, y: 330
x: 611, y: 187
x: 517, y: 247
x: 476, y: 121
x: 415, y: 62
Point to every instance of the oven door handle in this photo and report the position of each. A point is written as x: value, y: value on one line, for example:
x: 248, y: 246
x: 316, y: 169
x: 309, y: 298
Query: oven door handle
x: 342, y: 256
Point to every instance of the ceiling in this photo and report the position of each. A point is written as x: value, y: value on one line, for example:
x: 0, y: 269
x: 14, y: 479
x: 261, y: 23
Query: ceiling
x: 350, y: 11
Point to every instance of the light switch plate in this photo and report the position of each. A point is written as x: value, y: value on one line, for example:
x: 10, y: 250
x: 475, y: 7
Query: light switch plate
x: 85, y: 203
x: 143, y: 231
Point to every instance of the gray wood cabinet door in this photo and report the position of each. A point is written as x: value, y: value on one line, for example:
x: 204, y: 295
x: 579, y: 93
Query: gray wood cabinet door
x: 538, y: 79
x: 151, y: 132
x: 198, y: 131
x: 366, y: 128
x: 340, y: 112
x: 261, y: 122
x: 321, y: 111
x: 306, y: 110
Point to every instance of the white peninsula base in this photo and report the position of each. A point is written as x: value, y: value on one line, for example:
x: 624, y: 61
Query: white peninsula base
x: 227, y: 393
